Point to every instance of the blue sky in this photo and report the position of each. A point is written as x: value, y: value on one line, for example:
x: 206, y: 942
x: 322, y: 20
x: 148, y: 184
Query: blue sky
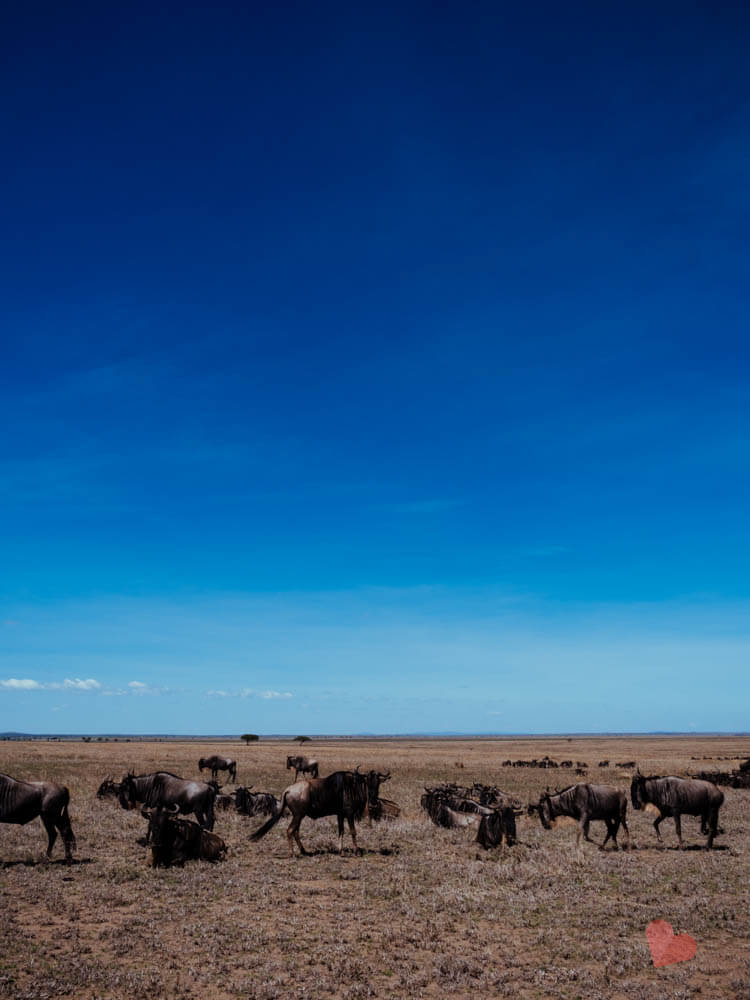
x: 375, y: 370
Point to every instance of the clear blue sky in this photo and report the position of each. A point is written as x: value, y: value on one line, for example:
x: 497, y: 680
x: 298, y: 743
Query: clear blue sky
x: 375, y: 368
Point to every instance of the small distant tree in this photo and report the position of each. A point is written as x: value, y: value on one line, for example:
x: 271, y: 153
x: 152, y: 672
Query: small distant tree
x: 248, y: 738
x: 301, y: 739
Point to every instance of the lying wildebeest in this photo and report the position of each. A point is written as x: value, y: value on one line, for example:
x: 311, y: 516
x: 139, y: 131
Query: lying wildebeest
x: 222, y: 801
x: 109, y: 788
x: 22, y: 801
x: 498, y: 826
x: 164, y: 789
x: 677, y: 796
x: 343, y: 794
x: 255, y: 803
x: 175, y: 841
x: 451, y: 807
x: 585, y: 803
x: 302, y: 765
x: 216, y: 764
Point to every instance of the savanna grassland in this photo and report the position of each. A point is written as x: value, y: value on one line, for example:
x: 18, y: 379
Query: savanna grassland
x: 424, y: 912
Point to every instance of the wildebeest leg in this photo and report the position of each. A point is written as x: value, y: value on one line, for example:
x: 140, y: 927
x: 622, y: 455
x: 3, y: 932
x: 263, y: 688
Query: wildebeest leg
x: 49, y: 826
x: 585, y: 820
x: 627, y: 833
x: 678, y: 827
x: 292, y: 834
x: 712, y: 825
x: 657, y: 821
x: 352, y: 830
x: 612, y: 826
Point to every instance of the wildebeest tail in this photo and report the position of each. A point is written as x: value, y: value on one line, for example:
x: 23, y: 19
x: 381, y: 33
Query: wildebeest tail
x: 263, y: 830
x: 65, y: 828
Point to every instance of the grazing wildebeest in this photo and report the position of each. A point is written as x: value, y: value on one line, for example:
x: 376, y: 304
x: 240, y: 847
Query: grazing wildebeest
x: 302, y: 765
x: 175, y: 841
x: 164, y: 789
x: 22, y: 801
x: 343, y: 794
x: 499, y: 825
x: 677, y: 796
x: 255, y: 803
x: 109, y: 788
x: 216, y: 764
x: 585, y: 803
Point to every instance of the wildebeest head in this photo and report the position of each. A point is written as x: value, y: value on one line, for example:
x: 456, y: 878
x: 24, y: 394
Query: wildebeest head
x: 545, y: 810
x: 202, y: 763
x: 374, y: 780
x: 638, y: 791
x: 127, y: 796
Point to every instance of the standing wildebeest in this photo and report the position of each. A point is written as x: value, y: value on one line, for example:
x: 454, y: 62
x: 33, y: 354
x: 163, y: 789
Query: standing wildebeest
x: 164, y: 789
x: 22, y: 801
x: 302, y: 765
x: 175, y: 841
x: 217, y: 763
x: 675, y: 796
x: 584, y: 803
x: 343, y: 794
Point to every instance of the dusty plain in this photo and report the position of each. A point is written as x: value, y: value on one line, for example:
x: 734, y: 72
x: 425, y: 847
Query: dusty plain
x: 424, y: 912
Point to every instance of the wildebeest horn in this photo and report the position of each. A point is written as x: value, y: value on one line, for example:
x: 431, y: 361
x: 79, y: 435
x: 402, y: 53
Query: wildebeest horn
x: 356, y: 769
x: 174, y: 808
x: 146, y: 813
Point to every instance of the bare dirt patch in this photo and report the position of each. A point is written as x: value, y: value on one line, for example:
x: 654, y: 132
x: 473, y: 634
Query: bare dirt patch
x: 423, y: 912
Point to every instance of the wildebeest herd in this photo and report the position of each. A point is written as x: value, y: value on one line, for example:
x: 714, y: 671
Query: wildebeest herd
x: 166, y: 799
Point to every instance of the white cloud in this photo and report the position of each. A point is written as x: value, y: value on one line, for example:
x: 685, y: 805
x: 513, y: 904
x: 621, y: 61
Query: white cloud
x: 276, y: 694
x: 218, y: 694
x: 77, y: 684
x: 19, y: 684
x: 137, y: 685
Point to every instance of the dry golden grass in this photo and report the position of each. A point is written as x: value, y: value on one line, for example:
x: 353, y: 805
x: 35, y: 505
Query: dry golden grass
x: 424, y: 912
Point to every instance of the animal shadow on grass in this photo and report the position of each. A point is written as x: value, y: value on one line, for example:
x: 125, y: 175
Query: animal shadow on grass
x: 43, y: 863
x: 349, y: 852
x: 676, y: 847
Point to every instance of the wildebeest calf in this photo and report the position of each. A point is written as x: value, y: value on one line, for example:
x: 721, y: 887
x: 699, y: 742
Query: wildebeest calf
x: 175, y: 840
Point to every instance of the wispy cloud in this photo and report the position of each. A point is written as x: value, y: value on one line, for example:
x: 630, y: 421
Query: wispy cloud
x: 139, y: 688
x: 248, y: 693
x: 69, y: 684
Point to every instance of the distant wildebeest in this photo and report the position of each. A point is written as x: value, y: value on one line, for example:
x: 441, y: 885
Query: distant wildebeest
x: 677, y: 797
x: 164, y: 789
x: 175, y: 841
x: 498, y: 826
x: 22, y: 801
x: 585, y: 803
x: 109, y: 788
x: 603, y: 763
x: 343, y: 794
x: 217, y: 763
x: 302, y: 765
x: 250, y: 803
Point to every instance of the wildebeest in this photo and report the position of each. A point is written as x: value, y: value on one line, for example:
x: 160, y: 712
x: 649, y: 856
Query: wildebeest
x: 175, y: 841
x: 343, y: 794
x: 164, y: 789
x: 109, y: 788
x: 302, y: 765
x: 498, y: 826
x: 22, y: 801
x: 250, y: 803
x: 451, y: 806
x: 217, y: 763
x: 676, y: 797
x: 585, y: 803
